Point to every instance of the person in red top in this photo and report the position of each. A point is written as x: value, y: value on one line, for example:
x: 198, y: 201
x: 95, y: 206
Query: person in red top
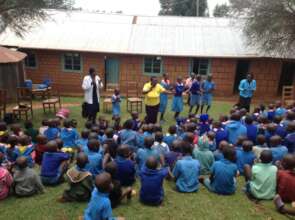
x: 40, y: 148
x: 286, y: 179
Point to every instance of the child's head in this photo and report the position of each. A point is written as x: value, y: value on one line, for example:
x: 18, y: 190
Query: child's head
x: 229, y: 153
x: 271, y: 106
x: 186, y: 148
x: 176, y: 145
x: 248, y: 120
x: 151, y: 163
x: 277, y: 119
x: 24, y: 140
x: 88, y: 125
x: 128, y: 124
x: 271, y: 127
x: 44, y: 122
x: 179, y: 79
x: 145, y: 128
x: 117, y: 91
x: 67, y: 123
x: 278, y: 104
x: 148, y: 142
x: 103, y: 182
x: 266, y: 156
x: 275, y: 141
x: 111, y: 168
x: 262, y: 107
x: 134, y: 115
x: 85, y: 133
x: 190, y: 127
x: 223, y: 145
x: 172, y: 129
x: 290, y: 116
x: 60, y: 143
x: 291, y: 127
x: 223, y: 118
x: 288, y: 162
x: 12, y: 140
x: 93, y: 145
x: 235, y: 116
x: 109, y: 132
x: 111, y: 147
x: 241, y: 139
x: 247, y: 146
x: 93, y: 135
x: 243, y: 112
x: 217, y: 124
x: 189, y: 137
x: 157, y: 128
x: 15, y: 128
x: 95, y: 128
x: 211, y: 135
x: 57, y: 122
x: 28, y: 124
x: 41, y: 139
x: 261, y: 139
x: 21, y: 162
x: 123, y: 151
x: 3, y: 126
x: 81, y: 160
x: 51, y: 146
x: 159, y: 136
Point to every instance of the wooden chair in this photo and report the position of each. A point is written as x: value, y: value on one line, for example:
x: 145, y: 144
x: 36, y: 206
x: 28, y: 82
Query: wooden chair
x: 107, y: 105
x: 3, y: 100
x: 24, y: 103
x: 288, y: 95
x: 133, y: 99
x: 53, y: 99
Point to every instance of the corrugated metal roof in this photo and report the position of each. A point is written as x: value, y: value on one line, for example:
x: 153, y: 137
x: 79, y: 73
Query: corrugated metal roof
x: 10, y: 56
x: 151, y: 35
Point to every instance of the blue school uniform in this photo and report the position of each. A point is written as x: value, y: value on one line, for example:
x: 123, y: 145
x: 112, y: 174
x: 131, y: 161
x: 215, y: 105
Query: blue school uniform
x: 224, y: 173
x: 252, y: 131
x: 129, y: 137
x: 94, y: 165
x: 99, y: 207
x: 218, y: 155
x: 278, y: 152
x: 281, y: 131
x: 235, y: 129
x: 271, y: 115
x: 195, y: 93
x: 116, y: 100
x: 244, y: 158
x: 246, y: 88
x: 52, y: 133
x: 290, y: 142
x: 69, y: 137
x: 164, y: 96
x: 151, y: 190
x: 204, y: 127
x: 143, y: 154
x: 125, y: 171
x: 140, y: 140
x: 220, y: 135
x: 28, y: 154
x: 207, y: 92
x: 177, y: 103
x: 168, y: 139
x: 186, y: 172
x: 82, y: 143
x: 280, y: 111
x: 136, y: 124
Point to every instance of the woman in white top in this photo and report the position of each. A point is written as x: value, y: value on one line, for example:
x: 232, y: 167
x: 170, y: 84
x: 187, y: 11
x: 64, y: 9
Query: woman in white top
x: 91, y: 85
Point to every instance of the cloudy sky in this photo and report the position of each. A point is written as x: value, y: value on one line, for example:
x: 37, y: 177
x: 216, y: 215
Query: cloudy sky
x: 139, y: 7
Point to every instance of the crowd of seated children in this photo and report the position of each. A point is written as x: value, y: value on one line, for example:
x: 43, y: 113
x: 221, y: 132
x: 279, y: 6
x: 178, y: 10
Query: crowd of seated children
x: 249, y: 144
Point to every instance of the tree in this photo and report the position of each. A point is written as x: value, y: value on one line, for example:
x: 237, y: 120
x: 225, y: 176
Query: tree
x: 21, y: 15
x: 269, y: 24
x: 221, y: 10
x: 184, y: 7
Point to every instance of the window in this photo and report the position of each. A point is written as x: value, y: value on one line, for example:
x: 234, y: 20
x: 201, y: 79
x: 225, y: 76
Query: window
x: 31, y: 60
x: 201, y: 66
x: 72, y: 62
x: 152, y: 65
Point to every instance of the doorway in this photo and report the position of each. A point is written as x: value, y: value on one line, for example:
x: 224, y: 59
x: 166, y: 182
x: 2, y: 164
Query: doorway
x: 287, y: 76
x: 242, y: 70
x: 111, y: 73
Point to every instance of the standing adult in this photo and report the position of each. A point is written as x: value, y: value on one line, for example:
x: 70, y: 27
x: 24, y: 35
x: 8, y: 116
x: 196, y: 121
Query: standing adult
x: 152, y: 91
x: 165, y: 83
x: 247, y: 87
x: 208, y: 87
x: 91, y: 85
x: 188, y: 84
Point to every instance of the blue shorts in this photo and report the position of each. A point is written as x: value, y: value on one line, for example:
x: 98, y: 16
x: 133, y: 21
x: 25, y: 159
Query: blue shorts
x: 177, y: 104
x: 207, y: 99
x: 195, y: 100
x: 163, y: 103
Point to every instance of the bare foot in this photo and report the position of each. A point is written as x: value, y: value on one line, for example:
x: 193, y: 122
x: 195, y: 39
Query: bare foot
x: 278, y: 202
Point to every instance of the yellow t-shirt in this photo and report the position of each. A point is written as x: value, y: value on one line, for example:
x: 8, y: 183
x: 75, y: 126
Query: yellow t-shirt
x: 153, y: 97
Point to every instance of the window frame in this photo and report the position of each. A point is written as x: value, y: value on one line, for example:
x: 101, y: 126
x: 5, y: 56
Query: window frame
x: 63, y: 58
x: 27, y: 57
x: 152, y: 73
x: 208, y: 72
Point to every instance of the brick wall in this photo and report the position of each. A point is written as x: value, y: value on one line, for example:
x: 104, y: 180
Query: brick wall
x: 266, y: 71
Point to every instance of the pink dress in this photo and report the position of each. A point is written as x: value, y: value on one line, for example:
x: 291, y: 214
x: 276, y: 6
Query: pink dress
x: 5, y: 182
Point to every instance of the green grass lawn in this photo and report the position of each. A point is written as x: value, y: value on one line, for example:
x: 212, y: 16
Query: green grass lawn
x: 200, y: 205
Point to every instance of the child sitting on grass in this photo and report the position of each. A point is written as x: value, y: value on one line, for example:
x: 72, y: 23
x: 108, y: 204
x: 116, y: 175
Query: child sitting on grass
x: 81, y: 143
x: 117, y: 194
x: 159, y: 145
x: 261, y: 179
x: 278, y: 150
x: 245, y: 156
x: 40, y: 148
x: 26, y: 182
x: 25, y: 148
x: 290, y: 138
x: 5, y: 179
x: 203, y: 154
x: 80, y: 181
x: 31, y: 131
x: 151, y: 179
x: 187, y: 170
x: 175, y: 154
x: 94, y: 165
x: 99, y: 207
x: 223, y: 174
x: 128, y: 136
x: 218, y: 154
x: 52, y: 132
x: 170, y: 136
x: 69, y: 135
x: 125, y: 166
x: 54, y: 165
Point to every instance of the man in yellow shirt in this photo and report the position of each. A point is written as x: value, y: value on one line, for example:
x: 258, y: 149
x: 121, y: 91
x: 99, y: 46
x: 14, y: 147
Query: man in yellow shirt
x: 152, y: 91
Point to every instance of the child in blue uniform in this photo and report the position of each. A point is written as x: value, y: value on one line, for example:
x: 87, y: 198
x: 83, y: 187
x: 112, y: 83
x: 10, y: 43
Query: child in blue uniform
x: 195, y: 94
x: 245, y: 156
x: 208, y: 87
x: 116, y: 100
x: 177, y: 104
x: 165, y: 83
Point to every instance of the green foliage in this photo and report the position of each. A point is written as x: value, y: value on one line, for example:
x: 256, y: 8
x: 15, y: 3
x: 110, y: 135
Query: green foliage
x: 221, y: 10
x: 269, y: 24
x: 184, y: 7
x: 21, y: 15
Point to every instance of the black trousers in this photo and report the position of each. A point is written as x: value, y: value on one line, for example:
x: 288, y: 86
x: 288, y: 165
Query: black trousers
x: 245, y: 103
x: 152, y: 113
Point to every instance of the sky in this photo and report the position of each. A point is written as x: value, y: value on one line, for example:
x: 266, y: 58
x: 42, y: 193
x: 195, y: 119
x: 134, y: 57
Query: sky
x: 132, y: 7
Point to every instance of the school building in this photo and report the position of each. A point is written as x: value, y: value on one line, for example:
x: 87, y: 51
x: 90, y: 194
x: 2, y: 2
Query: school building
x: 126, y: 48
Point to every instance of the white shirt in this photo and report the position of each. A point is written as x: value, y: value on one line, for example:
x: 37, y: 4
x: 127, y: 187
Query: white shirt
x: 88, y: 88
